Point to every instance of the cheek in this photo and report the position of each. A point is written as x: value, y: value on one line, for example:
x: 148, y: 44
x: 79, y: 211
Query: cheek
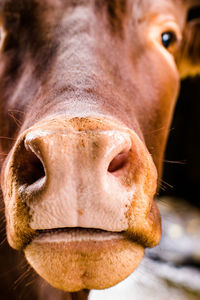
x: 167, y: 87
x: 159, y: 83
x: 160, y: 90
x: 164, y: 76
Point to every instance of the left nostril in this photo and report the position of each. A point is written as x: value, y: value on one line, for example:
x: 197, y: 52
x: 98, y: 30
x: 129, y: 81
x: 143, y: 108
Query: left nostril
x: 118, y: 162
x: 33, y: 169
x: 29, y: 167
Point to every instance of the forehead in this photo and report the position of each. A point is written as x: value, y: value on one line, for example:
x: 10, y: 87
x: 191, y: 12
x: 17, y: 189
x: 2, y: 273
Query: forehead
x: 96, y: 13
x: 143, y: 6
x: 148, y: 9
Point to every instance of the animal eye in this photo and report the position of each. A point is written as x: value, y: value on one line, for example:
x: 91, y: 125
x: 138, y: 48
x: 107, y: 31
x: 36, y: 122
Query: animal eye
x: 168, y: 38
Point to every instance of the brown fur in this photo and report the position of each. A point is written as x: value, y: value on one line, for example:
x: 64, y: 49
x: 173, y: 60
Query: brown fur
x: 82, y: 58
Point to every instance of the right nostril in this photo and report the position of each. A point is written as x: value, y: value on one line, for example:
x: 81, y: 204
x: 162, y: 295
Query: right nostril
x: 118, y: 162
x: 30, y: 167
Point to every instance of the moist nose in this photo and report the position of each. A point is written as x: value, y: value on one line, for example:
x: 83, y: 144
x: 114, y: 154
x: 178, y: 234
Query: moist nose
x: 84, y: 173
x: 35, y: 154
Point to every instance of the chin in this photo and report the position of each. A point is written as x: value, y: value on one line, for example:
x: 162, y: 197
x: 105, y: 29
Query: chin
x: 76, y: 259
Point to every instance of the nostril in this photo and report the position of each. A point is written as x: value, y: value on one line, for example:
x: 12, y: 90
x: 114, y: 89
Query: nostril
x: 118, y: 162
x: 30, y: 168
x: 33, y: 168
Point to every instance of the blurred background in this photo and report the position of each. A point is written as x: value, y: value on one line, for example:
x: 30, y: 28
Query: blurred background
x: 172, y: 269
x: 181, y: 176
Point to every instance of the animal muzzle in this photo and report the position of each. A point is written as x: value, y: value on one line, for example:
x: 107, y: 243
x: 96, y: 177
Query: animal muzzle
x: 85, y: 173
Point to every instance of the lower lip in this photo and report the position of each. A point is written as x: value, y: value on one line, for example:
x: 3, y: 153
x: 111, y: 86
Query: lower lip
x: 72, y: 259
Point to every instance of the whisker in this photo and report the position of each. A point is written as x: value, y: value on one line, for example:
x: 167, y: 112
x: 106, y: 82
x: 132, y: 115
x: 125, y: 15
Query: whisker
x: 17, y: 111
x: 162, y: 187
x: 167, y: 184
x: 7, y: 138
x: 32, y: 280
x: 161, y: 129
x: 3, y: 241
x: 183, y: 162
x: 164, y: 201
x: 4, y: 222
x: 158, y: 130
x: 17, y: 122
x: 3, y: 154
x: 21, y: 277
x: 2, y: 219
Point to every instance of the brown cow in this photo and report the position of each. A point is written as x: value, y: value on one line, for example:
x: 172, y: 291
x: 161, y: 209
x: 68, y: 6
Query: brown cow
x: 87, y: 91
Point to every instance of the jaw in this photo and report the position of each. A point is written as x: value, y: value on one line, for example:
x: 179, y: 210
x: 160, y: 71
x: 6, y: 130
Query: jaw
x: 76, y: 259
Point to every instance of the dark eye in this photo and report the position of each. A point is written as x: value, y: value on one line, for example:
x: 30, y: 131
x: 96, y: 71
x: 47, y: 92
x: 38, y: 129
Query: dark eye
x: 168, y: 38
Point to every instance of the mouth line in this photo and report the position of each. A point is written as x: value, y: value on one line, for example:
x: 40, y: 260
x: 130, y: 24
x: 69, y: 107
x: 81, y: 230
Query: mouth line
x: 76, y: 229
x: 70, y: 234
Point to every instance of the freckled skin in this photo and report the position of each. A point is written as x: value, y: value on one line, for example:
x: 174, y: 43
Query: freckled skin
x: 76, y: 77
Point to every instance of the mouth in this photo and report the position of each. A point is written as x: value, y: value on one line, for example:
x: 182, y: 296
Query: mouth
x: 78, y: 258
x: 77, y: 234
